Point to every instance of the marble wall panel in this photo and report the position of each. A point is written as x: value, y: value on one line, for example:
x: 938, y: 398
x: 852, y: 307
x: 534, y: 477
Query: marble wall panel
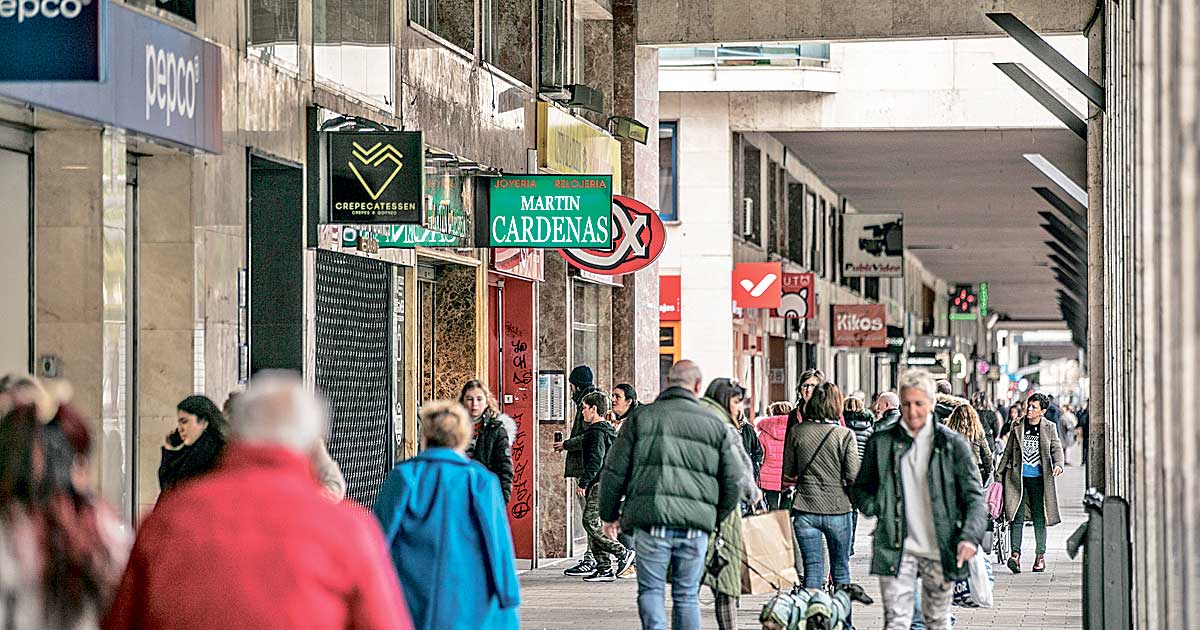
x: 68, y: 273
x: 165, y: 286
x: 552, y: 494
x: 554, y: 320
x: 165, y: 199
x: 454, y: 330
x: 67, y: 175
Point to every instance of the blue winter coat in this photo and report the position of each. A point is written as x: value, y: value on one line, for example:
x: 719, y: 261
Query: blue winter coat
x: 443, y: 518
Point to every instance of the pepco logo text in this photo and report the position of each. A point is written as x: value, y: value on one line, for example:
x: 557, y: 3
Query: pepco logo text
x: 50, y: 9
x: 171, y: 83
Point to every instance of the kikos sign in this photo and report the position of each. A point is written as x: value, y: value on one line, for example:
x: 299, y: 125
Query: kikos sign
x: 860, y: 325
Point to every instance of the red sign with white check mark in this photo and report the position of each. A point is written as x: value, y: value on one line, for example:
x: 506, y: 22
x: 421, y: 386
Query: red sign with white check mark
x: 757, y: 285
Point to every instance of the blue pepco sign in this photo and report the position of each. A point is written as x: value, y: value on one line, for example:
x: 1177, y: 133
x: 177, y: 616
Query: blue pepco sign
x: 161, y: 81
x: 52, y: 40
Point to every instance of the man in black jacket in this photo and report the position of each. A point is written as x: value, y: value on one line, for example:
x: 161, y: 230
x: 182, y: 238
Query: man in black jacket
x: 582, y: 383
x: 597, y: 438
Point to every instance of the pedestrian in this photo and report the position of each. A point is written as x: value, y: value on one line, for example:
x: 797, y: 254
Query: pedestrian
x: 491, y: 442
x: 946, y: 404
x: 444, y: 521
x: 724, y: 398
x: 624, y: 401
x: 597, y: 439
x: 194, y: 446
x: 771, y: 433
x: 61, y: 549
x: 750, y: 442
x: 254, y: 543
x: 1016, y: 415
x: 1066, y: 431
x: 1033, y: 449
x: 887, y: 410
x: 822, y: 459
x: 25, y: 389
x: 328, y: 473
x: 582, y: 383
x: 989, y: 419
x: 672, y: 477
x: 860, y: 421
x: 919, y: 480
x: 809, y: 380
x: 1081, y: 430
x: 965, y: 421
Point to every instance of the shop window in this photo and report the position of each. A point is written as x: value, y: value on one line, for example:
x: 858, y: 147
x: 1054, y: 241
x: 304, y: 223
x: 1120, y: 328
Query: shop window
x: 185, y: 9
x: 871, y: 288
x: 813, y: 219
x: 352, y: 46
x: 752, y: 194
x: 774, y: 225
x: 552, y: 44
x: 585, y: 326
x: 507, y: 37
x: 274, y: 31
x: 668, y: 171
x: 795, y: 222
x: 452, y: 20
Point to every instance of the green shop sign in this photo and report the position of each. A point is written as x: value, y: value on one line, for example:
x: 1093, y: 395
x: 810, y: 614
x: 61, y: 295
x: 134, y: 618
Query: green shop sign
x: 399, y: 236
x: 551, y: 211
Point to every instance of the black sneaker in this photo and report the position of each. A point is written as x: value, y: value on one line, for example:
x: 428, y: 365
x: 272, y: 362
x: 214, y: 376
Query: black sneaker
x: 625, y: 561
x: 602, y: 576
x: 585, y: 567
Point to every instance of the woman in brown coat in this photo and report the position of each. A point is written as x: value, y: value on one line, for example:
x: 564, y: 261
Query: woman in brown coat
x: 1031, y: 461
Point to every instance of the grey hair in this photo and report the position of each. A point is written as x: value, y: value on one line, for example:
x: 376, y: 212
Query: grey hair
x: 684, y: 374
x: 890, y: 399
x: 277, y: 409
x: 919, y: 379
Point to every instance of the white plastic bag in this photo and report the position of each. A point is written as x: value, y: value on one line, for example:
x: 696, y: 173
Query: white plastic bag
x: 976, y: 590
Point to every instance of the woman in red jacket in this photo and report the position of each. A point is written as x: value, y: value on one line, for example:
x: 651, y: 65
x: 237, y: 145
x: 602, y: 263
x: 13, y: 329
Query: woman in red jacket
x: 771, y: 433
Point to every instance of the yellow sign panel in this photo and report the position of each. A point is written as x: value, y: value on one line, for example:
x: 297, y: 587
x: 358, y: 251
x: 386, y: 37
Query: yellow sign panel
x: 571, y: 146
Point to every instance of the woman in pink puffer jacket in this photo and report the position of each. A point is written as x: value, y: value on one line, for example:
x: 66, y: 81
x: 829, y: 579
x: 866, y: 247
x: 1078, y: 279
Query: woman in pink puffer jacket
x: 771, y: 432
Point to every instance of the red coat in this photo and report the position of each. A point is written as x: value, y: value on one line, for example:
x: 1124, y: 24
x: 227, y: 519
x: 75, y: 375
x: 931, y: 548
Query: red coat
x: 254, y: 545
x: 771, y: 433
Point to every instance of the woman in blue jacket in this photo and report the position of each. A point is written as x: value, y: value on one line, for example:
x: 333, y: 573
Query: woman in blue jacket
x: 444, y: 520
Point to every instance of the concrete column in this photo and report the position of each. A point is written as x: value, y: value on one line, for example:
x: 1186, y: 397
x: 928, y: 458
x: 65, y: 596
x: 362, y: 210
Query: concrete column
x: 635, y: 305
x: 1096, y: 298
x: 80, y: 308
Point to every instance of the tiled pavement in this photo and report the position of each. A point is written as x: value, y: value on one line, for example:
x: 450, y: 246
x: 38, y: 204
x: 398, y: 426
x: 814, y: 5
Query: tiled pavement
x: 1027, y: 601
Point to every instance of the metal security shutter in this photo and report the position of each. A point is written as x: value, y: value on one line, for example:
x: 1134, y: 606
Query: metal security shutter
x: 353, y: 367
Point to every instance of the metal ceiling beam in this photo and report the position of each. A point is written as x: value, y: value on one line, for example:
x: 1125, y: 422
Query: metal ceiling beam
x: 1071, y: 285
x: 1065, y: 263
x: 1072, y: 215
x: 1046, y: 53
x: 1067, y: 254
x: 1044, y: 94
x: 1054, y: 219
x: 1055, y: 174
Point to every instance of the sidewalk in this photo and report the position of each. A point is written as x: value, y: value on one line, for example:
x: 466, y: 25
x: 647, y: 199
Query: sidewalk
x: 1029, y: 600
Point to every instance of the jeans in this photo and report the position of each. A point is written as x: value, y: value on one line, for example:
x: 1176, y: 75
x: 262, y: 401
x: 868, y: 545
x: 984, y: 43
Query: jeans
x: 1033, y: 497
x: 685, y: 557
x: 900, y: 591
x: 836, y: 530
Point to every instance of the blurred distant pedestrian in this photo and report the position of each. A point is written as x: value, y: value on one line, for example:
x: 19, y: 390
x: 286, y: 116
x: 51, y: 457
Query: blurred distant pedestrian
x: 771, y: 433
x: 443, y: 517
x: 887, y: 410
x: 965, y: 421
x: 989, y: 419
x: 254, y: 543
x: 194, y: 446
x: 860, y: 421
x: 671, y: 477
x: 61, y: 550
x: 1031, y: 461
x: 491, y: 444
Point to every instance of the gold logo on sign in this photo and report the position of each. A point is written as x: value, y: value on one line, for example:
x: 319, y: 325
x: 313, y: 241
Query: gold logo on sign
x: 375, y: 157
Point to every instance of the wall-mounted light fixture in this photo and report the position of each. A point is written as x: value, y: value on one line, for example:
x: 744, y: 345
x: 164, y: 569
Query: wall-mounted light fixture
x: 627, y: 128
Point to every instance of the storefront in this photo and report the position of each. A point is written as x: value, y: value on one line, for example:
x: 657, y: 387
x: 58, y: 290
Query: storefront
x: 16, y: 150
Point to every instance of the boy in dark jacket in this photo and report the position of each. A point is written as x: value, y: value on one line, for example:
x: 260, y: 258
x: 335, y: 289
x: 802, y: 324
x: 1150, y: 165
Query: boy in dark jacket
x: 597, y: 438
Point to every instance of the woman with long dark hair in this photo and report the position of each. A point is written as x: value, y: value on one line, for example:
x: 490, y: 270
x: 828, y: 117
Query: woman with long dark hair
x: 493, y: 433
x: 195, y: 445
x: 61, y: 550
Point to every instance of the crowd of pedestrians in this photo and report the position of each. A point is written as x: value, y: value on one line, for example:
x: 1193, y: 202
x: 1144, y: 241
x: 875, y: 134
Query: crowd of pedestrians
x: 251, y: 530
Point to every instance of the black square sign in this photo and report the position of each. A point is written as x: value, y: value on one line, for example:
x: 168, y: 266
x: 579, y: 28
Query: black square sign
x: 376, y: 177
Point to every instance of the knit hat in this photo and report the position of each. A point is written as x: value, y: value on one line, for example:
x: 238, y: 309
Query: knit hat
x: 581, y: 376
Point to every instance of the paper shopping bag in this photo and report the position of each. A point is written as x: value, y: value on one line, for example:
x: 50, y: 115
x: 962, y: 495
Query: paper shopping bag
x: 768, y: 542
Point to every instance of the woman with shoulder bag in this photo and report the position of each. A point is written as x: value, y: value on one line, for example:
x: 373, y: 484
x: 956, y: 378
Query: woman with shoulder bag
x: 822, y: 459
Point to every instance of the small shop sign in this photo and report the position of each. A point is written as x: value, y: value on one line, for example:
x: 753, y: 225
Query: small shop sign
x: 376, y: 177
x: 551, y: 211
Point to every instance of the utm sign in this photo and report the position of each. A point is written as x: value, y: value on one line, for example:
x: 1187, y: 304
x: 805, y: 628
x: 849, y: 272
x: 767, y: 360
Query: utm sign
x: 799, y: 297
x: 758, y: 285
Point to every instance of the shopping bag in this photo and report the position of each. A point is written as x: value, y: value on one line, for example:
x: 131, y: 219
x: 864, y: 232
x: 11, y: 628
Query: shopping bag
x: 976, y: 590
x: 769, y: 563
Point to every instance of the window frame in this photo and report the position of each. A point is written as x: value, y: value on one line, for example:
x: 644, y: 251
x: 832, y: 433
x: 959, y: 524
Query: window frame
x: 674, y: 215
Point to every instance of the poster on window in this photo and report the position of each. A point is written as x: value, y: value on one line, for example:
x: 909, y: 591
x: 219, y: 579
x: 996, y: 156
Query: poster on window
x: 873, y: 245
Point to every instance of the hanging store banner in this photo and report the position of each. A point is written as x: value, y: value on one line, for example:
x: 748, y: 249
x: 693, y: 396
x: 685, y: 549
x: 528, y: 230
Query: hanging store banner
x: 799, y: 299
x: 52, y: 40
x: 399, y: 236
x: 449, y: 202
x: 895, y: 342
x: 551, y: 211
x: 638, y: 240
x: 376, y: 176
x: 873, y: 245
x: 932, y: 343
x: 161, y: 81
x: 860, y: 326
x: 520, y: 262
x: 757, y: 285
x: 669, y: 299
